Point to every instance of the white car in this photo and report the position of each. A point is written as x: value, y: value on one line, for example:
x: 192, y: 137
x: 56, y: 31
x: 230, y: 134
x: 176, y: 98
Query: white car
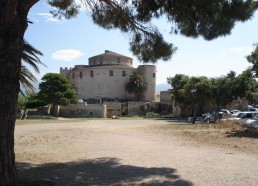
x: 234, y: 112
x: 225, y: 111
x: 252, y: 122
x: 243, y: 116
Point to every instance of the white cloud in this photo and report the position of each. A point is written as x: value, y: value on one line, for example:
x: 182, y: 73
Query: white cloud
x: 49, y: 17
x: 241, y: 50
x: 66, y: 55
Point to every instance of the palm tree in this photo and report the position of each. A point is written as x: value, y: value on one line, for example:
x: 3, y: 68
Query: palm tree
x: 29, y: 56
x: 136, y: 84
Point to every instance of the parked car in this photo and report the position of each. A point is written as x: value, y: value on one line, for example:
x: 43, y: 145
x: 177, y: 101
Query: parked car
x: 225, y: 111
x: 243, y: 116
x: 211, y: 117
x: 234, y: 111
x: 250, y: 106
x: 251, y: 120
x: 253, y: 109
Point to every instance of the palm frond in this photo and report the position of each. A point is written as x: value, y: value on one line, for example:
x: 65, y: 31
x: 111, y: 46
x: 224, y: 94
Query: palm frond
x: 26, y: 79
x: 29, y: 56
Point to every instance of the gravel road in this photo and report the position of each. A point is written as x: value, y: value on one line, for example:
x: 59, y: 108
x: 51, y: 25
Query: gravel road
x: 125, y: 152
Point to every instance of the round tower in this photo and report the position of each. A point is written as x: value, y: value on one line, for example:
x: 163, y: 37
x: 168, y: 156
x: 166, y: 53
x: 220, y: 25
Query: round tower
x: 149, y: 72
x: 110, y: 58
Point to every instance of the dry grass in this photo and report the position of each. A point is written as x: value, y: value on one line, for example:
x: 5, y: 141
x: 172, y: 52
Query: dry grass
x: 225, y: 134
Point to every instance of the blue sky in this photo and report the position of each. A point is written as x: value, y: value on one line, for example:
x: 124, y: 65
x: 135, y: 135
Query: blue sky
x: 71, y: 42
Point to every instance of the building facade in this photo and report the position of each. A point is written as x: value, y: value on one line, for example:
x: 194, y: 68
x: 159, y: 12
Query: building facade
x: 106, y: 76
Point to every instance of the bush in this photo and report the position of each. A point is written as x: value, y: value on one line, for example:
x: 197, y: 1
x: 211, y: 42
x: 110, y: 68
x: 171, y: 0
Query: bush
x: 152, y: 115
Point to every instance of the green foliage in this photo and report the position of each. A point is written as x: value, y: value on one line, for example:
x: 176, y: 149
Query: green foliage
x: 64, y: 8
x: 56, y: 89
x: 151, y: 115
x: 33, y: 101
x: 178, y: 84
x: 30, y: 57
x: 136, y: 84
x: 189, y: 18
x: 217, y: 92
x: 253, y: 59
x: 21, y: 104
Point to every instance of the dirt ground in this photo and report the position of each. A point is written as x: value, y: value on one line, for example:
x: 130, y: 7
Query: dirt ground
x: 134, y: 152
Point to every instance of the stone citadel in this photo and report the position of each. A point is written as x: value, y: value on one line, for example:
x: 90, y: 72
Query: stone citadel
x: 106, y: 76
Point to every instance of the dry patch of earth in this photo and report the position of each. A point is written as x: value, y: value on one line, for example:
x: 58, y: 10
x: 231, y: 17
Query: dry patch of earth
x: 134, y: 152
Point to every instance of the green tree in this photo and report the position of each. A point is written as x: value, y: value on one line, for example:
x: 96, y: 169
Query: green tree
x: 56, y: 89
x: 21, y: 102
x: 190, y: 18
x: 136, y: 84
x: 178, y: 84
x: 197, y: 92
x: 33, y: 101
x: 253, y: 59
x: 190, y: 92
x: 225, y: 89
x: 245, y: 83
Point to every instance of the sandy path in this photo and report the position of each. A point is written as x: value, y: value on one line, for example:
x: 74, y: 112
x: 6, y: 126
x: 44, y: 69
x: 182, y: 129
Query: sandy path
x: 125, y: 152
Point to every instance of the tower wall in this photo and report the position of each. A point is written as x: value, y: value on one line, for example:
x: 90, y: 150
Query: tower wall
x: 101, y: 81
x: 65, y: 71
x: 149, y: 72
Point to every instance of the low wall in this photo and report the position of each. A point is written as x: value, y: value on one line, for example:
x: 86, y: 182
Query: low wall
x: 82, y: 110
x: 113, y: 108
x: 109, y: 109
x: 137, y: 108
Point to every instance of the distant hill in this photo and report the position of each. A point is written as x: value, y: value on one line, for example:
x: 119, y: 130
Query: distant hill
x: 162, y: 87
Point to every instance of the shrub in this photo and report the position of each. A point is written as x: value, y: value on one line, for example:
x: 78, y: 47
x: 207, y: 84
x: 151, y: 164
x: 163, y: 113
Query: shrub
x: 152, y: 115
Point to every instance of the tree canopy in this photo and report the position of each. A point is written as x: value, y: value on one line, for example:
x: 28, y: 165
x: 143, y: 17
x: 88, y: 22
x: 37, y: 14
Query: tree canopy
x: 253, y: 59
x: 215, y: 93
x: 189, y: 18
x: 56, y: 89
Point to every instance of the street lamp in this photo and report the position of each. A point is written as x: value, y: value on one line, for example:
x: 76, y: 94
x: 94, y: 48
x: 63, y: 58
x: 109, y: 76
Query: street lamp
x: 193, y: 91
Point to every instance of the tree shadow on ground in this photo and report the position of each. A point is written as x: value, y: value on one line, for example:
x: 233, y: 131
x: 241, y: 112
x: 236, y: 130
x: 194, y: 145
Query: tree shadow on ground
x: 243, y: 133
x: 101, y: 171
x: 175, y: 121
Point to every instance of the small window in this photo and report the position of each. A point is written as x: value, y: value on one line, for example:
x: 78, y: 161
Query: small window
x: 123, y: 73
x: 154, y: 75
x: 110, y: 72
x: 73, y: 75
x: 101, y: 60
x: 91, y: 74
x: 118, y: 60
x: 80, y: 74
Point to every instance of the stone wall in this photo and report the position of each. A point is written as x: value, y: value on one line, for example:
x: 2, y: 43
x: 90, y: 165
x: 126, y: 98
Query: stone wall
x: 113, y: 108
x: 82, y: 110
x: 137, y: 108
x: 165, y: 96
